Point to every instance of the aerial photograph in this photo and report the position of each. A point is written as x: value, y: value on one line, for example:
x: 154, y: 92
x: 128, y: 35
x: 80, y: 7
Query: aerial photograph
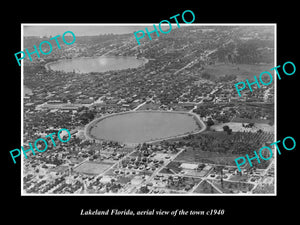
x: 162, y: 117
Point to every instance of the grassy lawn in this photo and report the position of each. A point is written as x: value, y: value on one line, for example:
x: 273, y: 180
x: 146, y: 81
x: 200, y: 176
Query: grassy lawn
x: 92, y: 168
x: 199, y: 156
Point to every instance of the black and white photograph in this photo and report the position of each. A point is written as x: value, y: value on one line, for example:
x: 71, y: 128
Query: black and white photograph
x: 145, y: 113
x: 162, y: 117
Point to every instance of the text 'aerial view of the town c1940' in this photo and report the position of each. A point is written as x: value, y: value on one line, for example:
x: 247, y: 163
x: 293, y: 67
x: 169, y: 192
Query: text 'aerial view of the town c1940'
x: 159, y: 118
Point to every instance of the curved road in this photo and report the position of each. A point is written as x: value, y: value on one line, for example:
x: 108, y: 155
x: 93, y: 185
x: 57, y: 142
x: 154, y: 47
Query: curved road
x: 203, y: 126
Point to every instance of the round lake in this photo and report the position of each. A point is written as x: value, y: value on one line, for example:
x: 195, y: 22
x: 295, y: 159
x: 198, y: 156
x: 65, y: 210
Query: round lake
x: 96, y: 64
x: 140, y: 127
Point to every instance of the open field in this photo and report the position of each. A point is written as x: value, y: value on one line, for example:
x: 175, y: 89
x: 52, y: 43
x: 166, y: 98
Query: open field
x: 199, y: 156
x: 242, y: 71
x: 92, y: 168
x: 238, y: 127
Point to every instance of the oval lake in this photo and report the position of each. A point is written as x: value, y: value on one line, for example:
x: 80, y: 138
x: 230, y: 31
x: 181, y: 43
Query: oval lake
x: 140, y: 127
x: 96, y: 64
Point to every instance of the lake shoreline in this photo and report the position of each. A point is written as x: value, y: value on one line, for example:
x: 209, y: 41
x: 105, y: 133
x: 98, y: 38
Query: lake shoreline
x: 200, y: 126
x: 49, y: 64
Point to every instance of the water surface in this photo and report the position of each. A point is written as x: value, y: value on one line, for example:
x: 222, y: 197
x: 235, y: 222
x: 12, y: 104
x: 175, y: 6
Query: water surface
x: 96, y: 64
x: 139, y: 127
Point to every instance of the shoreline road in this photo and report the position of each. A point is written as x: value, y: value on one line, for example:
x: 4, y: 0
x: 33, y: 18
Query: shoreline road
x: 197, y: 118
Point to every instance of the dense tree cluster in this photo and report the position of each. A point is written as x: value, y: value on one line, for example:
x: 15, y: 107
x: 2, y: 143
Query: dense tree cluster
x: 215, y: 112
x: 223, y: 142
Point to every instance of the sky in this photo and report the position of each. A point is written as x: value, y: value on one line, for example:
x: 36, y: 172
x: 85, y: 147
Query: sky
x: 79, y: 30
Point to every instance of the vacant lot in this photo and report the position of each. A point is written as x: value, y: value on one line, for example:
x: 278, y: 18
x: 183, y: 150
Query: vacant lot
x: 92, y: 168
x: 238, y: 127
x: 196, y: 155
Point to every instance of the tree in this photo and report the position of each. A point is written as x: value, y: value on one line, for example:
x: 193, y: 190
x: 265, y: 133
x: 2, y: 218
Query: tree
x: 210, y: 122
x: 251, y: 125
x: 91, y: 152
x: 229, y: 131
x: 260, y: 131
x: 225, y: 128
